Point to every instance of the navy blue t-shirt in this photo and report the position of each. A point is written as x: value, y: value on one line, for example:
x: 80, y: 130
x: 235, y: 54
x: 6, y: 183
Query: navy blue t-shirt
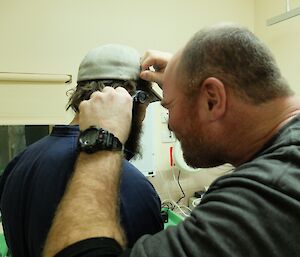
x: 34, y: 182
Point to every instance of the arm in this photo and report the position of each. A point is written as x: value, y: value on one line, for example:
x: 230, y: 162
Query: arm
x: 89, y: 207
x: 158, y: 61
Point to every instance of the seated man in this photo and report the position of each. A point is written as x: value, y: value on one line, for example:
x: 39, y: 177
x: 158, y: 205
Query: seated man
x: 34, y: 182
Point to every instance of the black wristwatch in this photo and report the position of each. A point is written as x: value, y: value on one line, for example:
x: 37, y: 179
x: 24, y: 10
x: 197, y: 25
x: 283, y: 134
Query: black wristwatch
x: 95, y: 139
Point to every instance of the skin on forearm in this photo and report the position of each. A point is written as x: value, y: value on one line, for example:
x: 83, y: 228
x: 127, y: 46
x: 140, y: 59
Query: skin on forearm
x: 95, y: 181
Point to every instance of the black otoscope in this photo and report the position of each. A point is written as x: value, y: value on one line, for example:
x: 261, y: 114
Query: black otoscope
x: 140, y: 96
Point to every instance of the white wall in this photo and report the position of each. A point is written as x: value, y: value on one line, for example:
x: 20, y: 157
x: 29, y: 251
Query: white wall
x: 283, y: 38
x: 53, y: 36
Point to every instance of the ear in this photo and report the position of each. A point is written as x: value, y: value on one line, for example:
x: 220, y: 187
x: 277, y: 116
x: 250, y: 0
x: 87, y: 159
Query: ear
x: 214, y: 96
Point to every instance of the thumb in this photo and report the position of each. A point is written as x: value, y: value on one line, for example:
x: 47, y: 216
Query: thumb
x: 152, y: 76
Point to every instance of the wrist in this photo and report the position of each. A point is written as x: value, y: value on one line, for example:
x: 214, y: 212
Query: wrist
x: 93, y: 157
x: 99, y: 164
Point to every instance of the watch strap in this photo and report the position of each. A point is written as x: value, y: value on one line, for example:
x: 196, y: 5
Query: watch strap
x: 109, y: 141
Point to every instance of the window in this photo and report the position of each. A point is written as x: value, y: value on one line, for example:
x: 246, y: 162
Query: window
x: 13, y: 139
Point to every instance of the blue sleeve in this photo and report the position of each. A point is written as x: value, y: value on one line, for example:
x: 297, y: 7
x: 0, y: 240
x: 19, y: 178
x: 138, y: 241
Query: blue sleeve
x: 140, y: 205
x: 6, y: 173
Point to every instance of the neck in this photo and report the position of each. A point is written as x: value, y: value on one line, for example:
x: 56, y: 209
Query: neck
x: 255, y: 125
x: 75, y: 120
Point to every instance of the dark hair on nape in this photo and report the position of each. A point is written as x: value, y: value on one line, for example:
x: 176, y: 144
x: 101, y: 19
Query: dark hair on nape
x: 238, y: 58
x: 84, y: 89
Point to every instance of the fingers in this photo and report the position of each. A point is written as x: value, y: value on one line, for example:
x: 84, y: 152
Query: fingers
x: 153, y: 65
x: 109, y: 90
x: 152, y: 76
x: 156, y: 59
x: 149, y: 59
x: 108, y: 109
x: 95, y: 94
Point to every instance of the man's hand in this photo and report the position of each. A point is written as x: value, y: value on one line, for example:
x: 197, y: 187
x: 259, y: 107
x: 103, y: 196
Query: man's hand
x: 110, y: 109
x: 158, y: 61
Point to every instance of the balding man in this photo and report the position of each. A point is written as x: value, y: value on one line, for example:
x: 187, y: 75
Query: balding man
x: 227, y: 103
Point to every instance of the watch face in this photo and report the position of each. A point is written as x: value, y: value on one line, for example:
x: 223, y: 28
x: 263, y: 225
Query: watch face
x: 89, y: 137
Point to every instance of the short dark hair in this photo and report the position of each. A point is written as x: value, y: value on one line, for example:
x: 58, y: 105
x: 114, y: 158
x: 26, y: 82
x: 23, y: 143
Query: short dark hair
x: 238, y: 58
x: 84, y: 89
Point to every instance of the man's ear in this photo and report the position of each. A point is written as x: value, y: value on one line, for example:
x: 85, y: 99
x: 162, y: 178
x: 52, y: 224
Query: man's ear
x: 214, y: 96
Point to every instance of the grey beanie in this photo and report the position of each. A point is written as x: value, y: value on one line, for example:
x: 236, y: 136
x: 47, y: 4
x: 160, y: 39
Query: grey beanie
x: 112, y: 61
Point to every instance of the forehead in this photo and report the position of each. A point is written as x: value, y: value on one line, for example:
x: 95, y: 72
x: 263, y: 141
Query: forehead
x: 173, y: 76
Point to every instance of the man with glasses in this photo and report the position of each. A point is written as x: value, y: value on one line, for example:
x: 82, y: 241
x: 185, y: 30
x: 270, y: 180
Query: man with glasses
x: 34, y: 182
